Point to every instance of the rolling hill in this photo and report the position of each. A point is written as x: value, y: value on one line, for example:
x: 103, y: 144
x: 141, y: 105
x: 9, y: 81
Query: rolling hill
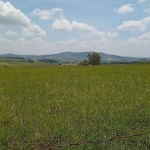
x: 73, y: 57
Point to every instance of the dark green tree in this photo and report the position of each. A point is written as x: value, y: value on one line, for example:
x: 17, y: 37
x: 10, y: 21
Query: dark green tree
x: 94, y: 59
x: 84, y: 63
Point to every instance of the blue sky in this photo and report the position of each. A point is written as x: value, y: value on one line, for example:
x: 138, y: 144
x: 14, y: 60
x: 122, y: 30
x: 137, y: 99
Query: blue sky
x: 38, y: 27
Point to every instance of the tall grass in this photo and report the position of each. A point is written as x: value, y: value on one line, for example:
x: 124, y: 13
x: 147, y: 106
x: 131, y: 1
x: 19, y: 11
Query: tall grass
x: 44, y: 107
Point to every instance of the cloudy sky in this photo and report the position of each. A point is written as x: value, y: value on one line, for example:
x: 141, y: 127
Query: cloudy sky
x: 119, y: 27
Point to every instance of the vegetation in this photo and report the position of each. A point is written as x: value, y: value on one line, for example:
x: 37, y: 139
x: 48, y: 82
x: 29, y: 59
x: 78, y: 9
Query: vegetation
x: 76, y: 57
x: 48, y: 60
x: 121, y: 63
x: 143, y: 62
x: 140, y: 62
x: 84, y: 63
x: 44, y: 107
x: 14, y: 62
x: 94, y: 59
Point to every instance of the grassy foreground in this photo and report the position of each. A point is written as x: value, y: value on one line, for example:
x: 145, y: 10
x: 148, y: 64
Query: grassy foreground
x: 44, y: 107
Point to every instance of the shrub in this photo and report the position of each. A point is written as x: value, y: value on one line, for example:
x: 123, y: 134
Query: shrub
x: 84, y: 63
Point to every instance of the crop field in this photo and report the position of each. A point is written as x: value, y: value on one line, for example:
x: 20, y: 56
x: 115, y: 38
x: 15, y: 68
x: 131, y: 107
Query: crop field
x: 14, y: 63
x: 24, y: 64
x: 44, y: 107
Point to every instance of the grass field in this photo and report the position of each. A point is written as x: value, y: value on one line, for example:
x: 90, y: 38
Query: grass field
x: 4, y: 64
x: 25, y: 64
x: 44, y: 107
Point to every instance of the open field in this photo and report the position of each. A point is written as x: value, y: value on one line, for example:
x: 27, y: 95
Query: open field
x: 10, y: 62
x: 15, y: 63
x: 44, y: 107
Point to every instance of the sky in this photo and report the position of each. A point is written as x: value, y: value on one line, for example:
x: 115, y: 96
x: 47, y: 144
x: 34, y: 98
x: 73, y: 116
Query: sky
x: 37, y: 27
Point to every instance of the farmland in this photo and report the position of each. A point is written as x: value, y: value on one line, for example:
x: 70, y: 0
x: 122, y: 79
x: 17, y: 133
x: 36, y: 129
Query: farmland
x: 43, y: 107
x: 20, y: 62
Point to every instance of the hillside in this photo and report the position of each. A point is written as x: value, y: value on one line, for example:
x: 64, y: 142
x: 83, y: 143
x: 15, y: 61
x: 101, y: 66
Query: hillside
x: 74, y: 57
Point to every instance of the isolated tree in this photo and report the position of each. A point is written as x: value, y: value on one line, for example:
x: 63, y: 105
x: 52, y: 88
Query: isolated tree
x: 94, y: 59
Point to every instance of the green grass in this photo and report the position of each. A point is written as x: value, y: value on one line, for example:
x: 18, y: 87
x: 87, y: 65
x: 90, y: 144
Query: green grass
x: 6, y: 64
x: 25, y: 64
x: 43, y: 107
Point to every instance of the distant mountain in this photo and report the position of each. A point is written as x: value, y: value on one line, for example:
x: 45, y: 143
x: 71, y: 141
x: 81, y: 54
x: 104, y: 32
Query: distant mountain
x: 74, y: 57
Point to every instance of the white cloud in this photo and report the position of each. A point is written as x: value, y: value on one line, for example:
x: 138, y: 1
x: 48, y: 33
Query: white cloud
x: 96, y: 34
x: 48, y: 14
x: 11, y: 16
x: 33, y: 30
x: 5, y: 42
x: 86, y: 30
x: 37, y: 40
x: 112, y: 35
x: 133, y: 25
x: 61, y: 24
x: 128, y: 8
x: 37, y: 46
x: 64, y: 24
x: 21, y: 40
x: 67, y: 42
x: 74, y: 26
x: 142, y: 1
x: 0, y: 35
x: 81, y: 27
x: 143, y: 38
x: 10, y: 33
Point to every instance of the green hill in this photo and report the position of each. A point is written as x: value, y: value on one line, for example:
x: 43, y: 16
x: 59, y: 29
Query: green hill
x: 74, y: 57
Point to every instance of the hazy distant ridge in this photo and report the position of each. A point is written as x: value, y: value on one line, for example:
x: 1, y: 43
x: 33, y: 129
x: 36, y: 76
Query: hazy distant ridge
x: 73, y: 56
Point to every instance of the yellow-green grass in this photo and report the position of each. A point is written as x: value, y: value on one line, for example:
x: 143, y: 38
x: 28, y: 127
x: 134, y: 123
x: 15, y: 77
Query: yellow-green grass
x: 25, y: 64
x: 6, y: 64
x: 44, y: 107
